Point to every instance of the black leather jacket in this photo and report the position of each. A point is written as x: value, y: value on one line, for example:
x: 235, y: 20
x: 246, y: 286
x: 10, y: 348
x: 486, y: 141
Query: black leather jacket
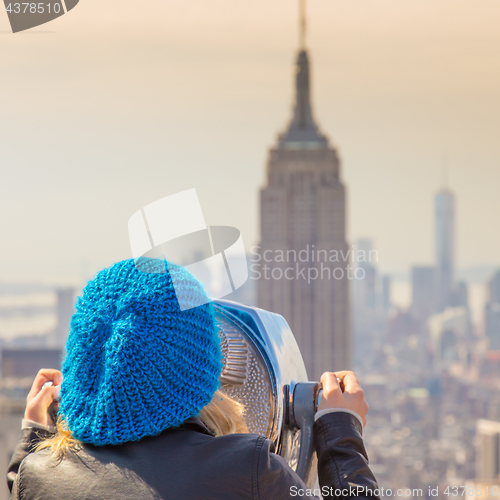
x: 189, y: 463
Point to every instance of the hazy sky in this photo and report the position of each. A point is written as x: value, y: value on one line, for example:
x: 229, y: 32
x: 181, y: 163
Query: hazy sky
x: 120, y: 103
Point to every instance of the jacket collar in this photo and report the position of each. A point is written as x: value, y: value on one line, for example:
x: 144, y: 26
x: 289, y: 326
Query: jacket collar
x: 196, y: 424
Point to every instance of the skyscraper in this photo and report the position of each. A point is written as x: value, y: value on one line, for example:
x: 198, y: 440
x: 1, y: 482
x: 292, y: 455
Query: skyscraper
x: 303, y: 234
x: 365, y: 290
x: 65, y: 309
x: 492, y: 312
x: 423, y: 302
x: 494, y: 288
x: 488, y: 446
x: 444, y: 204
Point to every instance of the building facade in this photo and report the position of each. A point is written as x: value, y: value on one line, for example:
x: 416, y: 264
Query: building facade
x: 423, y: 284
x: 64, y: 310
x: 303, y: 236
x: 444, y: 204
x: 492, y: 313
x: 488, y: 449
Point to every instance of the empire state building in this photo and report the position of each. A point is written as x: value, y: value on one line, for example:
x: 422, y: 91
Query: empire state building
x: 303, y: 234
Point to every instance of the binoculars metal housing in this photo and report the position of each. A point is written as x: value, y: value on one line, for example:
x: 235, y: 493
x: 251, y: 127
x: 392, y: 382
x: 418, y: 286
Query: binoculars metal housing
x: 264, y: 370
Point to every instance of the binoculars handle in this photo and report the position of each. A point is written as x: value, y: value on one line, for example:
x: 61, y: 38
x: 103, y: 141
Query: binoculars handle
x: 302, y: 408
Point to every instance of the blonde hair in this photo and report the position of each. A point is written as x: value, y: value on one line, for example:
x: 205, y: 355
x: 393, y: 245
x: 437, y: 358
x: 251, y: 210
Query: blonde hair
x: 223, y: 415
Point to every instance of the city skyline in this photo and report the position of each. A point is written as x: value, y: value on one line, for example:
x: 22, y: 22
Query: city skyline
x: 397, y: 85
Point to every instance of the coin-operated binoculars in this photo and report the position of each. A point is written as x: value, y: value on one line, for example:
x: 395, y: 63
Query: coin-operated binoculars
x: 264, y: 370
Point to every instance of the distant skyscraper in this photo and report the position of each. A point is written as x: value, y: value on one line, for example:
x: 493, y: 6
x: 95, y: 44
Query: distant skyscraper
x: 488, y: 449
x: 494, y: 288
x: 445, y: 247
x: 303, y: 210
x: 423, y: 302
x: 492, y: 312
x: 18, y: 363
x: 386, y: 292
x: 365, y: 290
x: 64, y: 309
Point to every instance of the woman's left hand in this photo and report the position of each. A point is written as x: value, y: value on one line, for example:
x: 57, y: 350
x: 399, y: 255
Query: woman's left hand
x: 40, y: 398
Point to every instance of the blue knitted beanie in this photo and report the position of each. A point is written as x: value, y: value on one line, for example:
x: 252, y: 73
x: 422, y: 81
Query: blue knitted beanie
x: 136, y: 364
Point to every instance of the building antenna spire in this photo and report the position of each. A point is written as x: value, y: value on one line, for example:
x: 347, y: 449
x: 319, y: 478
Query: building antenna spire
x: 444, y: 170
x: 302, y: 24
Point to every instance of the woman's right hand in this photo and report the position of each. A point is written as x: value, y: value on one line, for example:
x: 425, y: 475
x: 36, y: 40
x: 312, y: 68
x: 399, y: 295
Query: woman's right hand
x: 40, y: 398
x: 352, y: 398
